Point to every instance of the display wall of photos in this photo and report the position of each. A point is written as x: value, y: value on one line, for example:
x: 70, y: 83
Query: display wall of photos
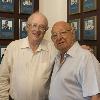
x: 7, y: 5
x: 90, y: 29
x: 26, y: 6
x: 6, y: 28
x: 84, y: 17
x: 22, y: 28
x: 74, y: 6
x: 2, y: 50
x: 75, y: 23
x: 13, y: 17
x: 89, y: 5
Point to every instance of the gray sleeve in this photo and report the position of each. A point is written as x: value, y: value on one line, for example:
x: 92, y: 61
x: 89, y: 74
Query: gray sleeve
x: 90, y: 76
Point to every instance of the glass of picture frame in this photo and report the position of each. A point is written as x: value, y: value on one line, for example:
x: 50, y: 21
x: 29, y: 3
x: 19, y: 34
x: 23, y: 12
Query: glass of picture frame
x: 76, y: 24
x: 26, y: 6
x: 89, y: 5
x: 7, y: 5
x: 22, y: 28
x: 2, y: 50
x: 6, y: 28
x: 74, y: 6
x: 90, y: 28
x: 94, y: 48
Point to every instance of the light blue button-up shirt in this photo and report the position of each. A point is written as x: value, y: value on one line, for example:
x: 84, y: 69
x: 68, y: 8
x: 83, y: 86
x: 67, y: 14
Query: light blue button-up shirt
x: 78, y: 78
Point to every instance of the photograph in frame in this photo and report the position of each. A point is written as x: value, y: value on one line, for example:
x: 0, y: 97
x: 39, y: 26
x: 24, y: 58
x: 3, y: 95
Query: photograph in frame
x: 74, y: 6
x: 26, y: 6
x: 7, y: 5
x: 89, y: 30
x: 89, y: 5
x: 22, y: 28
x: 2, y: 50
x: 94, y: 48
x: 76, y: 24
x: 6, y: 28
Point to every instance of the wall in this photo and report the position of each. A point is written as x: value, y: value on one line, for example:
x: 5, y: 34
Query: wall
x: 54, y: 10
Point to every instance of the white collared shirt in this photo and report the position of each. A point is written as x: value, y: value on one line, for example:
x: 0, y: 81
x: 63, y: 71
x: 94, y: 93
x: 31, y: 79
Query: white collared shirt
x: 78, y: 78
x: 27, y: 72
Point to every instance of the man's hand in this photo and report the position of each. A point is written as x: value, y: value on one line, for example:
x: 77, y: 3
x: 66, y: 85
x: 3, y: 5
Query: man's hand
x: 87, y: 47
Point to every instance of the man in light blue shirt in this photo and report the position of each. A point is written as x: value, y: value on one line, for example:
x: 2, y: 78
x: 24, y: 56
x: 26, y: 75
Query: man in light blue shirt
x: 76, y: 74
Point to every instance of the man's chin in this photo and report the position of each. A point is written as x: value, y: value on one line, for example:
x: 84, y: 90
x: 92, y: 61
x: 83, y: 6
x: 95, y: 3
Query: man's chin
x: 36, y: 34
x: 60, y: 48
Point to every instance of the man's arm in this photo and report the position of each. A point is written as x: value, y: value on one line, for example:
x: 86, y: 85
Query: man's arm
x: 96, y: 97
x: 4, y: 78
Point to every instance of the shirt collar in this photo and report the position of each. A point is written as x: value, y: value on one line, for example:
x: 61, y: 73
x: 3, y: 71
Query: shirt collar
x: 43, y: 45
x: 25, y: 43
x: 72, y: 51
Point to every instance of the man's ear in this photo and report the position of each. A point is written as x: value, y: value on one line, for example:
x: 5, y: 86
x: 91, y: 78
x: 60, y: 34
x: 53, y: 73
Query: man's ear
x: 74, y: 33
x: 73, y: 30
x: 26, y: 27
x: 51, y: 38
x: 47, y: 28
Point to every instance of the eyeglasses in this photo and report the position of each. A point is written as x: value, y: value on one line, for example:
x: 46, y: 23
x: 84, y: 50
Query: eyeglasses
x: 41, y: 28
x: 62, y: 33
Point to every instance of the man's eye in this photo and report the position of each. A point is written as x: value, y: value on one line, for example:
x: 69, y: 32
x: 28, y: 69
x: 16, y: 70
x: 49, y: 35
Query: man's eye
x: 63, y: 32
x: 42, y: 27
x: 54, y: 36
x: 34, y: 25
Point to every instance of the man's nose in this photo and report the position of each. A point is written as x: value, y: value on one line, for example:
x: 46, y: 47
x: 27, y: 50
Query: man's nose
x: 35, y: 28
x: 59, y: 36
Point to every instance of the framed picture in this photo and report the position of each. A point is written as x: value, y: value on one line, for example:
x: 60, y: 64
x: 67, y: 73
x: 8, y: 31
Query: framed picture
x: 74, y: 6
x: 2, y: 50
x: 89, y: 5
x: 94, y: 48
x: 26, y: 6
x: 6, y: 28
x: 7, y: 5
x: 76, y: 24
x: 22, y: 28
x: 90, y: 28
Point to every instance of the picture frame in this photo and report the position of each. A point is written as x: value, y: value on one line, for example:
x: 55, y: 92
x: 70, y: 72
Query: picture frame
x: 26, y: 6
x: 22, y: 28
x: 90, y: 28
x: 94, y: 48
x: 89, y: 5
x: 6, y: 28
x: 74, y: 7
x: 7, y: 5
x: 76, y: 24
x: 2, y: 50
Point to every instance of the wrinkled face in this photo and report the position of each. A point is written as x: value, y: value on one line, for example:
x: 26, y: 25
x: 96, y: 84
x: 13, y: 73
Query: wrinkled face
x: 62, y: 36
x: 36, y: 28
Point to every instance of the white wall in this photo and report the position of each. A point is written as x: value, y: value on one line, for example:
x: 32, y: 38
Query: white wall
x: 54, y: 10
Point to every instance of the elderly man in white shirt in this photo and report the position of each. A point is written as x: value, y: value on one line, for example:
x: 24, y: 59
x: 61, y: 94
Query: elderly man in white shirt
x: 76, y: 74
x: 27, y: 63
